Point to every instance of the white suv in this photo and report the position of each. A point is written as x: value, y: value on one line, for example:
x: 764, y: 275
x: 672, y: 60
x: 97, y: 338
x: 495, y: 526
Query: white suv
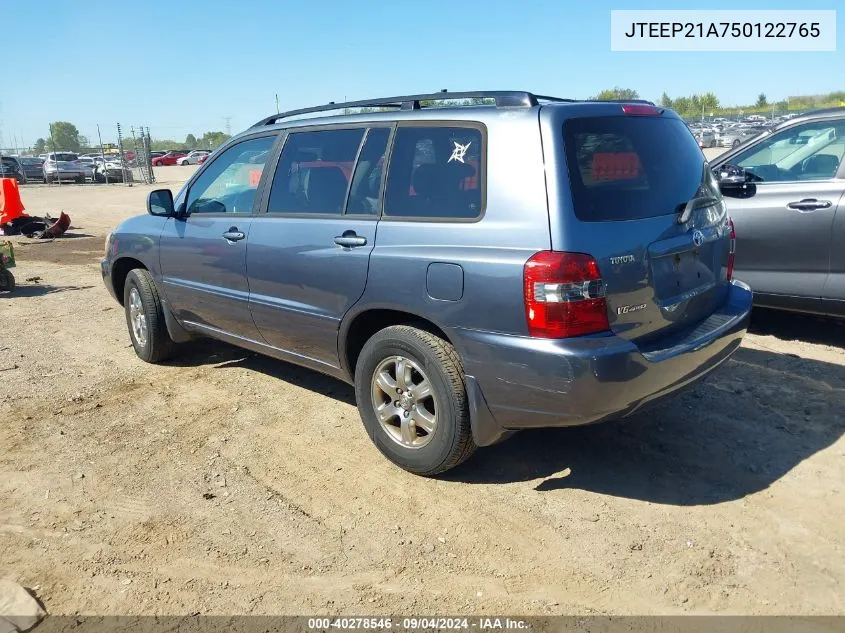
x: 192, y: 158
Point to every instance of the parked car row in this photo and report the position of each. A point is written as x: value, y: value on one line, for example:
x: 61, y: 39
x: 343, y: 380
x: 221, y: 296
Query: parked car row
x: 65, y: 167
x: 722, y: 132
x: 179, y: 157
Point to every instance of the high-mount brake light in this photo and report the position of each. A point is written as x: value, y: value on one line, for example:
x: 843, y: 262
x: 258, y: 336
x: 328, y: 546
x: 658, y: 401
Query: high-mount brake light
x: 639, y: 109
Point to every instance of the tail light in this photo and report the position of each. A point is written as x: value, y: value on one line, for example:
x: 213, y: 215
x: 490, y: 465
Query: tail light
x: 732, y: 251
x: 564, y: 295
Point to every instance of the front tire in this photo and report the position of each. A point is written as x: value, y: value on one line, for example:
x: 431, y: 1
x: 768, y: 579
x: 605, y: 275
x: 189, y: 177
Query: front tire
x: 411, y: 396
x: 145, y: 317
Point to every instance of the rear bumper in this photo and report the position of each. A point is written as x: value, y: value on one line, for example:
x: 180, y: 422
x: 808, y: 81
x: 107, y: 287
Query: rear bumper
x: 65, y: 175
x: 529, y: 383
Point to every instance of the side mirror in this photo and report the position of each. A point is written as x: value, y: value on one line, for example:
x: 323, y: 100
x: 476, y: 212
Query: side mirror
x: 734, y: 182
x: 160, y: 202
x: 730, y: 176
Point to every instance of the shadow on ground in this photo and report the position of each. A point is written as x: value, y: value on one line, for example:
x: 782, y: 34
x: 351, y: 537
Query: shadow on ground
x: 204, y: 352
x: 37, y: 290
x: 754, y: 420
x: 789, y: 326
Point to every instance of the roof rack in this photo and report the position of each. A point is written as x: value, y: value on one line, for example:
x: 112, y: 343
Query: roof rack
x: 502, y: 98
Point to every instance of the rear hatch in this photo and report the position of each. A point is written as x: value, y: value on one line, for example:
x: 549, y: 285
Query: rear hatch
x: 64, y: 163
x: 646, y: 206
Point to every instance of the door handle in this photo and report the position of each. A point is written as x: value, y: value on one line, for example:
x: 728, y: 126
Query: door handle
x: 233, y: 234
x: 809, y: 204
x: 350, y: 239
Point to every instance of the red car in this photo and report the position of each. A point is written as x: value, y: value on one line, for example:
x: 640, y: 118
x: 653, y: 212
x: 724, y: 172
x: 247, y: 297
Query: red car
x: 169, y: 158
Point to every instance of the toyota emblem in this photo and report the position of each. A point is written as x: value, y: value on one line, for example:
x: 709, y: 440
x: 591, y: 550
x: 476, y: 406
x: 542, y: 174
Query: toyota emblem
x: 698, y: 238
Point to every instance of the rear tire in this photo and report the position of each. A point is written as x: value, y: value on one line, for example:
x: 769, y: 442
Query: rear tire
x: 145, y: 317
x: 425, y: 435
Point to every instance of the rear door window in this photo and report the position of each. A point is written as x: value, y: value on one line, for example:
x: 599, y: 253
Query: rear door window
x: 435, y: 173
x: 314, y: 172
x: 630, y: 168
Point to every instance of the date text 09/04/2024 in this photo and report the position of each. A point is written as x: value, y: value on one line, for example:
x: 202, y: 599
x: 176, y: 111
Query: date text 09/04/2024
x: 416, y: 623
x: 723, y: 29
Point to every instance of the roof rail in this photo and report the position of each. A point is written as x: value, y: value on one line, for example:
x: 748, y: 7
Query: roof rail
x: 502, y: 98
x: 832, y: 110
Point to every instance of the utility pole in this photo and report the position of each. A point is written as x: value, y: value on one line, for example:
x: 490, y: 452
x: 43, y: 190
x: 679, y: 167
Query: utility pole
x: 102, y: 154
x: 53, y: 143
x: 228, y: 120
x: 277, y: 103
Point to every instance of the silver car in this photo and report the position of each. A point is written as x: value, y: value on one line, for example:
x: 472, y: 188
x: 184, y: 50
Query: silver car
x: 63, y: 166
x: 785, y: 192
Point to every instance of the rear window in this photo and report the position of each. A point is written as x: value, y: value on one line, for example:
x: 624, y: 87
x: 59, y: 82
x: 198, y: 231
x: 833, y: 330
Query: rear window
x: 64, y: 157
x: 629, y: 168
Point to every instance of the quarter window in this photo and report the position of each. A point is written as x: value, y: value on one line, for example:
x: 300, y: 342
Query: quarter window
x: 435, y: 172
x: 229, y: 184
x: 314, y: 172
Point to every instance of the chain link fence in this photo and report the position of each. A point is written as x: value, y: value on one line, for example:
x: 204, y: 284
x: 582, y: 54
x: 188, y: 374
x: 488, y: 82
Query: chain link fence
x: 127, y: 162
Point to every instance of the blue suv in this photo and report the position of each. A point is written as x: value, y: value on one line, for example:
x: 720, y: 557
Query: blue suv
x: 473, y: 263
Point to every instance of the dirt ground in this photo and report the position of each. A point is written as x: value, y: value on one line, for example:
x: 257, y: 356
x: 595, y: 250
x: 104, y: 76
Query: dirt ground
x: 225, y: 483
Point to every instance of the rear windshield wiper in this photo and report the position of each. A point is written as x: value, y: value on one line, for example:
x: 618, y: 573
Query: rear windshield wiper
x: 702, y: 198
x: 699, y: 202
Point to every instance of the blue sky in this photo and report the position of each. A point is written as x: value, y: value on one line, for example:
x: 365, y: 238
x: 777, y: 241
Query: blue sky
x: 192, y: 63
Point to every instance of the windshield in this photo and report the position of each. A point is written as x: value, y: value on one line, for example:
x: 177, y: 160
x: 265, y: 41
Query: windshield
x: 63, y: 157
x: 629, y: 168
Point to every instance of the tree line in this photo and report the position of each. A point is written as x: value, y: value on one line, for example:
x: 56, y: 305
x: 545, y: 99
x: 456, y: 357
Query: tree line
x: 707, y: 103
x: 65, y: 137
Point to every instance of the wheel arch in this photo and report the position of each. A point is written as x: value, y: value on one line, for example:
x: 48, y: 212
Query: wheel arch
x: 357, y: 328
x: 120, y: 269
